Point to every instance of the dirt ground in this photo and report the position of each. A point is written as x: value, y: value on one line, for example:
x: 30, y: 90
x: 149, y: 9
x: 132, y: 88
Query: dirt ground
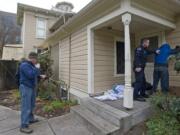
x: 9, y: 99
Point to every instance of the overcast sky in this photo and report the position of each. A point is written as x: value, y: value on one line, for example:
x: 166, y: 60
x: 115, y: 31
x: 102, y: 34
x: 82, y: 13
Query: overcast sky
x: 11, y: 5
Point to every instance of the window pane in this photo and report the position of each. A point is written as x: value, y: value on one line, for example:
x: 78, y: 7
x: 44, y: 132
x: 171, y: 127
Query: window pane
x: 40, y: 33
x: 41, y: 24
x: 41, y: 28
x: 120, y: 57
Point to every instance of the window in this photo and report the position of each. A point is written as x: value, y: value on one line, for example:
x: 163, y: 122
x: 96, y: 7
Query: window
x: 154, y: 42
x: 119, y: 58
x: 41, y: 28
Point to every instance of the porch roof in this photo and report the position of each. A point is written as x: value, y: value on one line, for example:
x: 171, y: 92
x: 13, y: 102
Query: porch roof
x: 97, y: 9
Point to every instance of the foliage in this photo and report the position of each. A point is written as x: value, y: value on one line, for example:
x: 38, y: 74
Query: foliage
x: 16, y: 95
x: 47, y: 90
x: 58, y: 104
x: 176, y: 59
x: 46, y: 63
x: 166, y: 120
x: 48, y: 108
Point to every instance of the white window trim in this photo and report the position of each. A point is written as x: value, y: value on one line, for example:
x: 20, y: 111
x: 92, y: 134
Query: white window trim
x: 45, y: 28
x: 117, y: 39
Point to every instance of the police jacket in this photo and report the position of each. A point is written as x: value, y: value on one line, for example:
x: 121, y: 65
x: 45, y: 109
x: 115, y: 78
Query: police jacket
x: 140, y: 57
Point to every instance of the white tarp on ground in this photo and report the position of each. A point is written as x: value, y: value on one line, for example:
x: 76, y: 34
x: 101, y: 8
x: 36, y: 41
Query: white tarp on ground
x: 116, y: 93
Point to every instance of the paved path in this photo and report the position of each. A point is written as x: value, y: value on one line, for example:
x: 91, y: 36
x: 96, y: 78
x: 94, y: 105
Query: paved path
x: 64, y: 125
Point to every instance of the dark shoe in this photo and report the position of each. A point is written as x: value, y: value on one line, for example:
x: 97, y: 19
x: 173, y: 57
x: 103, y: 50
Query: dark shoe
x: 140, y: 99
x: 145, y: 96
x: 26, y: 130
x: 34, y: 121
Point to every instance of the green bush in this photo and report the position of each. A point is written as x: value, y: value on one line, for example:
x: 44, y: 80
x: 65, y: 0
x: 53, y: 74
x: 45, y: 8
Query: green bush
x: 16, y: 95
x: 47, y: 90
x: 166, y: 120
x: 48, y: 108
x: 58, y: 104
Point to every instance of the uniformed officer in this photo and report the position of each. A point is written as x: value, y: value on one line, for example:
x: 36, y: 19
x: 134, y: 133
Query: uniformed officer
x: 140, y: 59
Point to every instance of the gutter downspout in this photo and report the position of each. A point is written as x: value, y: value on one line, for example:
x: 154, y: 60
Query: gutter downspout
x: 69, y: 66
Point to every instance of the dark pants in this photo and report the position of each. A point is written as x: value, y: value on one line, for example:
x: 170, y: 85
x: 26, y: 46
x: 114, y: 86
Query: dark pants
x: 28, y: 96
x: 140, y: 84
x: 161, y: 73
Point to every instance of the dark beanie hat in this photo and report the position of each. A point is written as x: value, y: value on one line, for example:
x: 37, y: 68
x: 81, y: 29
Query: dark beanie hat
x: 33, y: 55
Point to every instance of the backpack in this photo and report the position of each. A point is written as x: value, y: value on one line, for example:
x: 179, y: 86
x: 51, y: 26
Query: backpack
x: 17, y: 75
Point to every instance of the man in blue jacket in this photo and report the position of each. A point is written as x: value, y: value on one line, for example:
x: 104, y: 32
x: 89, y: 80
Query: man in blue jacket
x: 161, y: 67
x: 28, y: 81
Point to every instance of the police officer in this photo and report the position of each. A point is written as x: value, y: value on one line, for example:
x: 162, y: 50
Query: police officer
x: 141, y: 54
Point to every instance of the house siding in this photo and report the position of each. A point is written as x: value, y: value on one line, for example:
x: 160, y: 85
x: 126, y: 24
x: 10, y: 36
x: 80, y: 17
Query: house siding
x: 29, y: 34
x: 173, y: 38
x: 73, y: 60
x: 79, y: 54
x: 104, y: 60
x: 64, y: 60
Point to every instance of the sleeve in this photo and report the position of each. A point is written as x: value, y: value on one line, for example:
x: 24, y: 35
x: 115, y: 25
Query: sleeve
x: 174, y: 51
x: 28, y: 71
x: 150, y: 52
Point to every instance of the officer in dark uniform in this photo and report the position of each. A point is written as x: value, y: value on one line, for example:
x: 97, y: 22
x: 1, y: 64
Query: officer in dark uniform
x: 140, y: 59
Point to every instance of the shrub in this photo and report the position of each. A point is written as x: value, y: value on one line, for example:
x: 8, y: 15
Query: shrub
x: 166, y: 120
x: 57, y: 104
x: 16, y: 95
x: 48, y: 108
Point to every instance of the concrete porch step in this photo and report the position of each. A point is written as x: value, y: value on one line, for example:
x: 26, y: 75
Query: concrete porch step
x: 109, y: 113
x: 94, y: 123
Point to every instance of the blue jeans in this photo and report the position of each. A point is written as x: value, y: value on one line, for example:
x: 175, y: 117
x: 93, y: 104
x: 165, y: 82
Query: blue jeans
x: 28, y: 97
x: 140, y: 84
x: 161, y: 74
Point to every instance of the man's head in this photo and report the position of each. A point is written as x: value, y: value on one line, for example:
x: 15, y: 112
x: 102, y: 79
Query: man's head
x: 145, y: 43
x: 33, y: 57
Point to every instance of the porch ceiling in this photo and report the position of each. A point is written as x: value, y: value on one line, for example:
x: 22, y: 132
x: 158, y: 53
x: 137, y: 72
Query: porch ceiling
x: 138, y: 24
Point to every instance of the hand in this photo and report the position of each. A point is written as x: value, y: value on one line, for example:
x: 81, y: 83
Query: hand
x: 43, y: 76
x: 138, y: 69
x: 37, y: 65
x: 157, y: 51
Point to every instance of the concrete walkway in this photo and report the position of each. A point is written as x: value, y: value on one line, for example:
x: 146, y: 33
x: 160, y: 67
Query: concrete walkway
x: 91, y: 117
x: 10, y: 121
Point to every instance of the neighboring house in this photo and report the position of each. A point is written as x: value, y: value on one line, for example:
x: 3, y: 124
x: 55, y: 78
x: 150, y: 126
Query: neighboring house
x: 10, y: 32
x: 12, y: 52
x: 97, y: 44
x: 36, y: 23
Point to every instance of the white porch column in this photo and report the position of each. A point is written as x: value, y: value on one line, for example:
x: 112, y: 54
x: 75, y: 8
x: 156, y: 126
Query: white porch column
x: 128, y: 93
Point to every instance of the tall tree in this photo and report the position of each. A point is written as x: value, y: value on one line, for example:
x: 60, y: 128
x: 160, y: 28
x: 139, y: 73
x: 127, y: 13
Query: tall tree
x: 9, y: 31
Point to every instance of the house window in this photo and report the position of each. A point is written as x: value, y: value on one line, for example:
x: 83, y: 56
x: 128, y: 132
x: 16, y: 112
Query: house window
x: 41, y: 28
x: 119, y: 58
x: 154, y: 42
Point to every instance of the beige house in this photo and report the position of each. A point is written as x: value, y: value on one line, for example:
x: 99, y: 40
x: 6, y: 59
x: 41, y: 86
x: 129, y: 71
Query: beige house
x: 12, y: 52
x: 37, y: 24
x: 96, y: 46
